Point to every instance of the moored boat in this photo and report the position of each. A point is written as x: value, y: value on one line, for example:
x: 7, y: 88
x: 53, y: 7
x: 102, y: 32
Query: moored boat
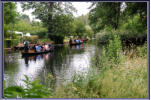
x: 74, y: 43
x: 35, y: 53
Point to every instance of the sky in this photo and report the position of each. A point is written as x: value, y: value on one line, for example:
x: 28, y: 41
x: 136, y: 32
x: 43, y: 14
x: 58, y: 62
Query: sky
x: 81, y: 7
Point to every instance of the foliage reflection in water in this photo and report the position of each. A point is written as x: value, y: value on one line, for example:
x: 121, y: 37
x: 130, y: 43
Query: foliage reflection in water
x: 63, y: 63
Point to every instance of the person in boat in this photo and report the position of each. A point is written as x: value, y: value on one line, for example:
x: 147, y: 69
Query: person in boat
x: 46, y: 46
x: 77, y: 41
x: 42, y: 47
x: 30, y: 47
x: 50, y: 47
x: 26, y: 46
x: 81, y: 40
x: 38, y: 48
x: 70, y: 41
x: 34, y: 48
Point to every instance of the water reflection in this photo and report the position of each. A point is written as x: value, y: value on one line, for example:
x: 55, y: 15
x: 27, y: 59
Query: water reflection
x: 62, y: 64
x: 35, y: 58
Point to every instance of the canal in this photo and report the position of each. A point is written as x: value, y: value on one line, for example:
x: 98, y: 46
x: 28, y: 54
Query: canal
x: 61, y: 64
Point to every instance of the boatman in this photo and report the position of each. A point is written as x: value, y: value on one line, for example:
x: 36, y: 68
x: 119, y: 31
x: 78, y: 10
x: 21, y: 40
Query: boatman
x: 26, y: 46
x: 70, y: 41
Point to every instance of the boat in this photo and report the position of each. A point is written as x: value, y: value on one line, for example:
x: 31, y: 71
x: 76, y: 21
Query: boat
x: 35, y: 53
x: 74, y: 43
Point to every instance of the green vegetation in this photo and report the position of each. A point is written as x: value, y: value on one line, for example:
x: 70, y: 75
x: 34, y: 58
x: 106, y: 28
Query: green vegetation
x: 33, y: 90
x: 56, y: 16
x: 129, y: 22
x: 10, y: 16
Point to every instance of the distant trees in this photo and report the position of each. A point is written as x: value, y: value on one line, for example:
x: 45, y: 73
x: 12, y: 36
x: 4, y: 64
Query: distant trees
x: 79, y: 28
x: 10, y: 14
x: 110, y: 14
x: 84, y: 19
x: 10, y: 17
x: 25, y: 17
x: 129, y: 20
x: 56, y: 16
x: 139, y: 8
x: 105, y: 13
x: 29, y: 27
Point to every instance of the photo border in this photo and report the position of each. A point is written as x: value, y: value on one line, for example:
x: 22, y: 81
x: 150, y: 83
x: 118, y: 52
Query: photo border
x: 2, y: 50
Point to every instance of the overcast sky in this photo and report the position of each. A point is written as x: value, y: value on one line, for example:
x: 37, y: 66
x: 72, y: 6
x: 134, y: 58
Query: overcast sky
x: 82, y: 8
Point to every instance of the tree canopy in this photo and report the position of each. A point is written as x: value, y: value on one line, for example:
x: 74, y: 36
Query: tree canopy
x: 56, y: 16
x: 110, y: 13
x: 10, y: 14
x: 104, y: 13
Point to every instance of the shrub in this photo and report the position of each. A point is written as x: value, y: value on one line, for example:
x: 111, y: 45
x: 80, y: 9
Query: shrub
x: 114, y: 49
x: 10, y: 42
x: 46, y: 40
x: 42, y: 34
x: 142, y: 51
x: 33, y: 90
x: 103, y: 37
x: 31, y: 39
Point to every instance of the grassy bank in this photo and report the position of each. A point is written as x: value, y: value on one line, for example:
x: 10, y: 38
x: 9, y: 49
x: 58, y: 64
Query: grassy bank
x: 127, y: 80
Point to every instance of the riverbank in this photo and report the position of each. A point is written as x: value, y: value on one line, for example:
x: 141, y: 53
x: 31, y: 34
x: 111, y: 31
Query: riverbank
x: 127, y: 80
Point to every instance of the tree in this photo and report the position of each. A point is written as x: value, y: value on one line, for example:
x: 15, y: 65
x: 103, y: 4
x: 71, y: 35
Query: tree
x: 89, y: 32
x: 10, y: 17
x: 105, y: 13
x: 83, y: 19
x: 47, y: 12
x: 62, y: 26
x: 139, y: 8
x: 79, y: 28
x: 10, y: 14
x: 25, y: 17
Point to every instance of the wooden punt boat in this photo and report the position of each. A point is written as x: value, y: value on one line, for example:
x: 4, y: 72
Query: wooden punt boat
x: 76, y: 43
x: 35, y: 53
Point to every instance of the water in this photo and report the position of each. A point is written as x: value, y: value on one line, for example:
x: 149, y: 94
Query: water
x: 63, y: 63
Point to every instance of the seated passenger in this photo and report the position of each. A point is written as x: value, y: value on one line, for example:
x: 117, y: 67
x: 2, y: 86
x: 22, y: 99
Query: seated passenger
x: 38, y: 49
x: 77, y: 41
x: 34, y: 47
x: 46, y: 47
x: 81, y: 40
